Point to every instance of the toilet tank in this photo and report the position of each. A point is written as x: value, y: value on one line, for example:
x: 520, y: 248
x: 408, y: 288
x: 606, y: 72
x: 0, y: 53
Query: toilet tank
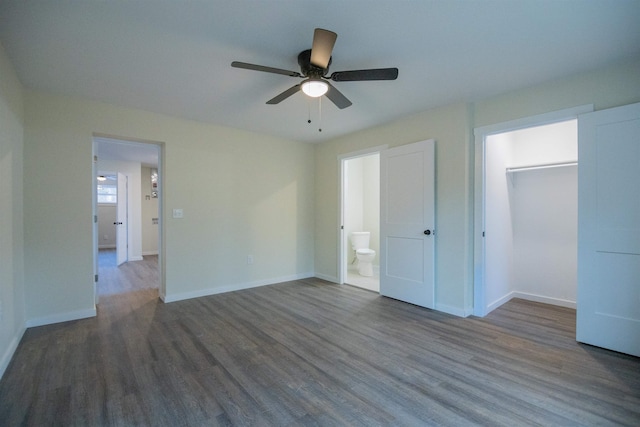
x: 360, y: 240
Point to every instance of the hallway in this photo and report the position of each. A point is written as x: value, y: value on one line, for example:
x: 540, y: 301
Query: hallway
x: 131, y: 276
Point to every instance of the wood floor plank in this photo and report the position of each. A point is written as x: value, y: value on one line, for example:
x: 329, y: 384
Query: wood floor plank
x: 309, y: 352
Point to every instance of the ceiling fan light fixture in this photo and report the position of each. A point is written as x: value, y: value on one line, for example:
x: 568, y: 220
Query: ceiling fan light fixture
x: 315, y: 88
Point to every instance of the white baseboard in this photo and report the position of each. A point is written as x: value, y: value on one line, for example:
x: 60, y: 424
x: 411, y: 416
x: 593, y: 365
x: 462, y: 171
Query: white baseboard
x: 135, y: 258
x: 8, y: 354
x: 230, y: 288
x: 530, y: 297
x: 106, y: 246
x: 62, y: 317
x: 497, y: 303
x: 546, y: 300
x: 150, y: 253
x: 456, y: 311
x: 326, y: 277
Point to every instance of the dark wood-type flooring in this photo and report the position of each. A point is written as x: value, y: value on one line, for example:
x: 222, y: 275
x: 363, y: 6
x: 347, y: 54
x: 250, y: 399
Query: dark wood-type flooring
x: 310, y: 352
x: 128, y: 277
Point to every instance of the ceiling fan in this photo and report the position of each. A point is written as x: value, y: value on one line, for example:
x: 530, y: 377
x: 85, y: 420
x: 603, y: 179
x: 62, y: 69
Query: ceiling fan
x: 314, y: 68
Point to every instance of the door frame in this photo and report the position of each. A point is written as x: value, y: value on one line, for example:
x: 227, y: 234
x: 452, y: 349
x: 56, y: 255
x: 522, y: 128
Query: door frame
x: 480, y: 136
x: 342, y: 237
x: 161, y: 227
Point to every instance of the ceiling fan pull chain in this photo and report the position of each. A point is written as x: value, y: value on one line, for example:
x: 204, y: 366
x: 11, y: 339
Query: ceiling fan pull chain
x: 320, y: 114
x: 309, y: 110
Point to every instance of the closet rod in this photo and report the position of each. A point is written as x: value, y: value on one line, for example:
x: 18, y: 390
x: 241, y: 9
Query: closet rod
x: 543, y: 166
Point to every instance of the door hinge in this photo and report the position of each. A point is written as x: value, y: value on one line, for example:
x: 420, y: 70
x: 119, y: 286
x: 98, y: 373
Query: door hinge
x: 95, y: 278
x: 483, y: 234
x: 95, y: 218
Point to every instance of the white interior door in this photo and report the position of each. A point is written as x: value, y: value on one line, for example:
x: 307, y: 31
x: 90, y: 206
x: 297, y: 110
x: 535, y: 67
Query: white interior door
x: 407, y: 223
x: 122, y: 251
x: 608, y: 306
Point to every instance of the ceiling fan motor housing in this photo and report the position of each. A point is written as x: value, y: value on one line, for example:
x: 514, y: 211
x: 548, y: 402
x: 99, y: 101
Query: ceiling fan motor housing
x: 308, y: 69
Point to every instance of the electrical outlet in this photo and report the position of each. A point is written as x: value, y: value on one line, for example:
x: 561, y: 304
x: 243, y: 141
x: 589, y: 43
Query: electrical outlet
x: 249, y: 259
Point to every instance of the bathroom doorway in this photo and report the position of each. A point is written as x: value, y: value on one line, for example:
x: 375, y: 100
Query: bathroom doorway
x: 360, y: 212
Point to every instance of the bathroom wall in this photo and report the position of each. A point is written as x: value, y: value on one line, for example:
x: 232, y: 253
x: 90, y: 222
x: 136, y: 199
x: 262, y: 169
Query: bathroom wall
x: 362, y: 201
x: 371, y: 201
x: 531, y: 216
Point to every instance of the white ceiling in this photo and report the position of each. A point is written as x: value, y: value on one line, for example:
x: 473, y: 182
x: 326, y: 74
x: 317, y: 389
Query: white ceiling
x: 174, y: 57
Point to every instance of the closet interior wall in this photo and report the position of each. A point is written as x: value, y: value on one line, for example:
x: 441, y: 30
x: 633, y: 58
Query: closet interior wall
x: 531, y: 215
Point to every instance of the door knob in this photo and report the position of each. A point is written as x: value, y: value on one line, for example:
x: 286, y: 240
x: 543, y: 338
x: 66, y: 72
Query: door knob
x: 117, y: 223
x: 427, y: 232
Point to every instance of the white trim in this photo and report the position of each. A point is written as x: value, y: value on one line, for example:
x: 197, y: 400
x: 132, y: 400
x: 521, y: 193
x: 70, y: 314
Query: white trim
x: 363, y: 153
x: 8, y: 354
x: 480, y: 306
x: 532, y: 121
x: 145, y: 253
x: 135, y: 258
x: 531, y: 297
x: 62, y: 317
x: 326, y: 277
x: 546, y: 300
x: 455, y: 311
x: 497, y: 303
x: 106, y: 246
x: 342, y: 242
x: 231, y: 288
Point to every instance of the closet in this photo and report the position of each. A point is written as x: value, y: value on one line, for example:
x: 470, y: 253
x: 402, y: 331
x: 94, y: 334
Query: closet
x: 531, y: 215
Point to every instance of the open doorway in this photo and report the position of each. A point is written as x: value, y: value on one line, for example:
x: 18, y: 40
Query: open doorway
x: 127, y: 204
x: 526, y: 211
x: 360, y: 219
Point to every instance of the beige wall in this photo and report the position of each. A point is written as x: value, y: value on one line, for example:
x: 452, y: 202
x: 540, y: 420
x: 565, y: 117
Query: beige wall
x: 452, y: 127
x: 242, y: 193
x: 12, y: 313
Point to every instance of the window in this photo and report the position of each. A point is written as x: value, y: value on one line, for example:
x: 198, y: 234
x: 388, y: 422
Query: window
x: 107, y: 193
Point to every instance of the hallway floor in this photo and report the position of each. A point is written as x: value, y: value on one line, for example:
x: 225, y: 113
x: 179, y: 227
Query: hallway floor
x: 131, y: 276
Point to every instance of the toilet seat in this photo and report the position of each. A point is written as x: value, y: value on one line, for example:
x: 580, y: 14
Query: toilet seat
x: 365, y: 252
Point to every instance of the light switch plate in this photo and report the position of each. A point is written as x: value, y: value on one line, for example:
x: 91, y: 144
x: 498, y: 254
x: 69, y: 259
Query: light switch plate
x: 178, y: 213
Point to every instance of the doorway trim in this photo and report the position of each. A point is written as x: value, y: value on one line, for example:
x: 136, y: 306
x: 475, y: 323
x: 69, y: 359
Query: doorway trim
x: 161, y: 228
x: 342, y: 238
x: 480, y: 136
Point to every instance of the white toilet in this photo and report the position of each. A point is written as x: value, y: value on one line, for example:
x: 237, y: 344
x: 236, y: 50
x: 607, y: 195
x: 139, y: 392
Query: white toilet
x: 360, y: 243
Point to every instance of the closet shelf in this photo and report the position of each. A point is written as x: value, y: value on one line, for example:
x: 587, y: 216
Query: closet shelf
x: 541, y: 166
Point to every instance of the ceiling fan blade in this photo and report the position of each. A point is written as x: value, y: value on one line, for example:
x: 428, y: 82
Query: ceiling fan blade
x: 323, y: 41
x: 362, y: 75
x: 237, y: 64
x: 284, y: 95
x: 337, y: 97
